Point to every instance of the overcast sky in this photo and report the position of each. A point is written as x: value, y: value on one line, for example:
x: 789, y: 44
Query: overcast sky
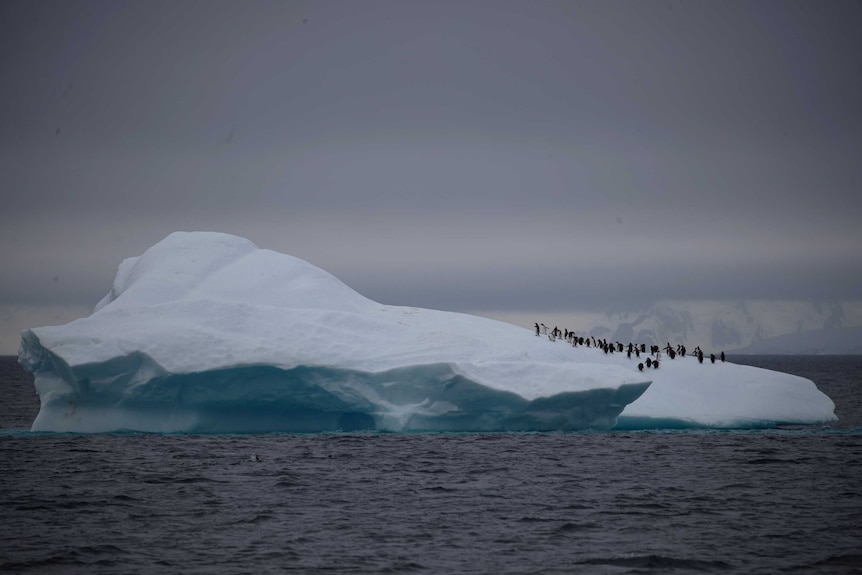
x: 480, y: 156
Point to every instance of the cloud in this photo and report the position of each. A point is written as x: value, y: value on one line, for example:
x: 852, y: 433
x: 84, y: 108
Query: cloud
x: 500, y: 157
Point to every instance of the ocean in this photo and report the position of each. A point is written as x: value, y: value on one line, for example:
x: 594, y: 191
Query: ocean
x: 786, y: 500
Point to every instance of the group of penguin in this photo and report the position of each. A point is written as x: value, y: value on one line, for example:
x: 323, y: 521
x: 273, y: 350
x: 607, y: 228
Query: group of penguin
x: 637, y: 349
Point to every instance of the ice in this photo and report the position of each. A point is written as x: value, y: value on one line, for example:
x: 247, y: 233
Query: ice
x: 205, y: 332
x: 686, y: 393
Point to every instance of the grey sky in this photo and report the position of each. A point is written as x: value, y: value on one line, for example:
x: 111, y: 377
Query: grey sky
x: 476, y: 155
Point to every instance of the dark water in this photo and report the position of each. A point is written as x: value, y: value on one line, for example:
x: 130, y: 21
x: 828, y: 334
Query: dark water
x: 768, y: 501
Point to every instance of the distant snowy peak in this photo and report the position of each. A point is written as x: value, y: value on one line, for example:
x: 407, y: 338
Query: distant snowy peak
x: 826, y: 341
x: 739, y: 326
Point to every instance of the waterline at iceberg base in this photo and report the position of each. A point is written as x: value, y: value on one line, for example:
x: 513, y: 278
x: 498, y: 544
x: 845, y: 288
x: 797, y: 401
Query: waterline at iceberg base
x: 205, y: 332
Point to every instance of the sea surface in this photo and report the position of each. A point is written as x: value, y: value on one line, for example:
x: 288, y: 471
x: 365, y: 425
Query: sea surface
x: 786, y: 500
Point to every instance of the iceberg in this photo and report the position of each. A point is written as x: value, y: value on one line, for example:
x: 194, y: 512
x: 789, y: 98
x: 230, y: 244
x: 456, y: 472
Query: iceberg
x: 687, y: 394
x: 206, y: 332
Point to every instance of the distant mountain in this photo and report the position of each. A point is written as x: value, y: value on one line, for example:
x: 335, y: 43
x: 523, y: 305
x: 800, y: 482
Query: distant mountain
x: 792, y: 327
x: 826, y: 341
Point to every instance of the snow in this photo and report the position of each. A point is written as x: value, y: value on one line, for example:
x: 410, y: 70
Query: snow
x: 207, y: 332
x: 725, y: 395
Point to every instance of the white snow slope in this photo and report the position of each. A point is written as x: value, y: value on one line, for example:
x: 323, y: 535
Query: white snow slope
x: 205, y: 332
